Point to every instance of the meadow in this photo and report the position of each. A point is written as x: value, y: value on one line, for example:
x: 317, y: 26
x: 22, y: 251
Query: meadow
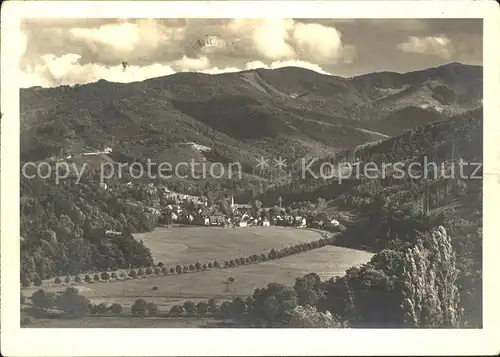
x: 200, y: 286
x: 188, y: 245
x: 191, y: 244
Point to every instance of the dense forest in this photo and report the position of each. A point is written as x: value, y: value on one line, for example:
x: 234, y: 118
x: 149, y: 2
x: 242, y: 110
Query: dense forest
x: 63, y: 228
x: 395, y: 215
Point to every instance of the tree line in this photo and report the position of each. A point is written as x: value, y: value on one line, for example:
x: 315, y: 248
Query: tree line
x: 161, y: 269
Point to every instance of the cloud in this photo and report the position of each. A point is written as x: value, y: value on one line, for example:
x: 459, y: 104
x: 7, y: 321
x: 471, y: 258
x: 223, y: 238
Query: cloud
x: 66, y: 70
x: 319, y: 42
x: 286, y: 39
x: 296, y: 63
x: 34, y: 77
x: 191, y: 64
x: 140, y: 42
x: 268, y: 37
x: 255, y: 65
x: 56, y: 51
x: 122, y: 37
x: 128, y: 39
x: 287, y: 63
x: 216, y: 70
x: 431, y: 45
x: 62, y: 54
x: 60, y: 66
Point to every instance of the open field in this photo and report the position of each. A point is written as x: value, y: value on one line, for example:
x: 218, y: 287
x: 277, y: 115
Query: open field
x: 187, y: 245
x: 191, y: 244
x: 124, y: 322
x: 200, y: 286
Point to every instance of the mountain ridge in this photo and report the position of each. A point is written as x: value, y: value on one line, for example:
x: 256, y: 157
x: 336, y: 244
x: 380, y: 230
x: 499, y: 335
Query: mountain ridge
x: 290, y: 112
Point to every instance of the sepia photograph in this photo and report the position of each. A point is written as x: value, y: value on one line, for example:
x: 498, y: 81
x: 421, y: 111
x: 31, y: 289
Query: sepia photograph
x: 286, y: 171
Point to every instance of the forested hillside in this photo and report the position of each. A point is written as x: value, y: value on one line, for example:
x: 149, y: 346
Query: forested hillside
x: 433, y: 115
x: 393, y: 213
x: 438, y: 142
x: 63, y: 228
x: 288, y: 112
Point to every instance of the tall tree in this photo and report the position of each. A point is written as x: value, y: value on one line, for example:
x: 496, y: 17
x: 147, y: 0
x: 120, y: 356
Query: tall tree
x: 431, y: 296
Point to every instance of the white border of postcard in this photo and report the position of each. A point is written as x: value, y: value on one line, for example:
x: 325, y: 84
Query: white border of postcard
x: 240, y: 342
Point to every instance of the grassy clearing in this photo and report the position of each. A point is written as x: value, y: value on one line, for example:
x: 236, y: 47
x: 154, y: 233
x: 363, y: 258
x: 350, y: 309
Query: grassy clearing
x: 327, y: 262
x: 187, y: 245
x: 190, y: 244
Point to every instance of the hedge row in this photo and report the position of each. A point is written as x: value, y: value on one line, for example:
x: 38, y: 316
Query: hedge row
x: 210, y: 308
x: 161, y: 269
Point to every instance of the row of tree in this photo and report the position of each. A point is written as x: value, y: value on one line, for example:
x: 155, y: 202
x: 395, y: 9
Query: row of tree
x: 161, y: 269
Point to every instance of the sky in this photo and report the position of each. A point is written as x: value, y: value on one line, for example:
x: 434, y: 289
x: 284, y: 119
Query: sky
x: 77, y: 51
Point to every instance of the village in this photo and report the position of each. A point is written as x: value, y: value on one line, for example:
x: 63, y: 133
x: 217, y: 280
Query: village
x: 179, y: 209
x: 192, y: 210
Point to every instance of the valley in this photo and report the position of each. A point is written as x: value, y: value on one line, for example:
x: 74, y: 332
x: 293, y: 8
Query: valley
x: 146, y: 248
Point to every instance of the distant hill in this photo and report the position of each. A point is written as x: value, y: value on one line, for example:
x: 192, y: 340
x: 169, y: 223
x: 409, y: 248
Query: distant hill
x: 290, y: 112
x: 442, y: 141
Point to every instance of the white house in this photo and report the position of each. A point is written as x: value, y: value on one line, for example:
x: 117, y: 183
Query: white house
x: 302, y: 223
x: 114, y: 233
x: 334, y: 222
x: 265, y: 223
x: 242, y: 224
x: 103, y: 185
